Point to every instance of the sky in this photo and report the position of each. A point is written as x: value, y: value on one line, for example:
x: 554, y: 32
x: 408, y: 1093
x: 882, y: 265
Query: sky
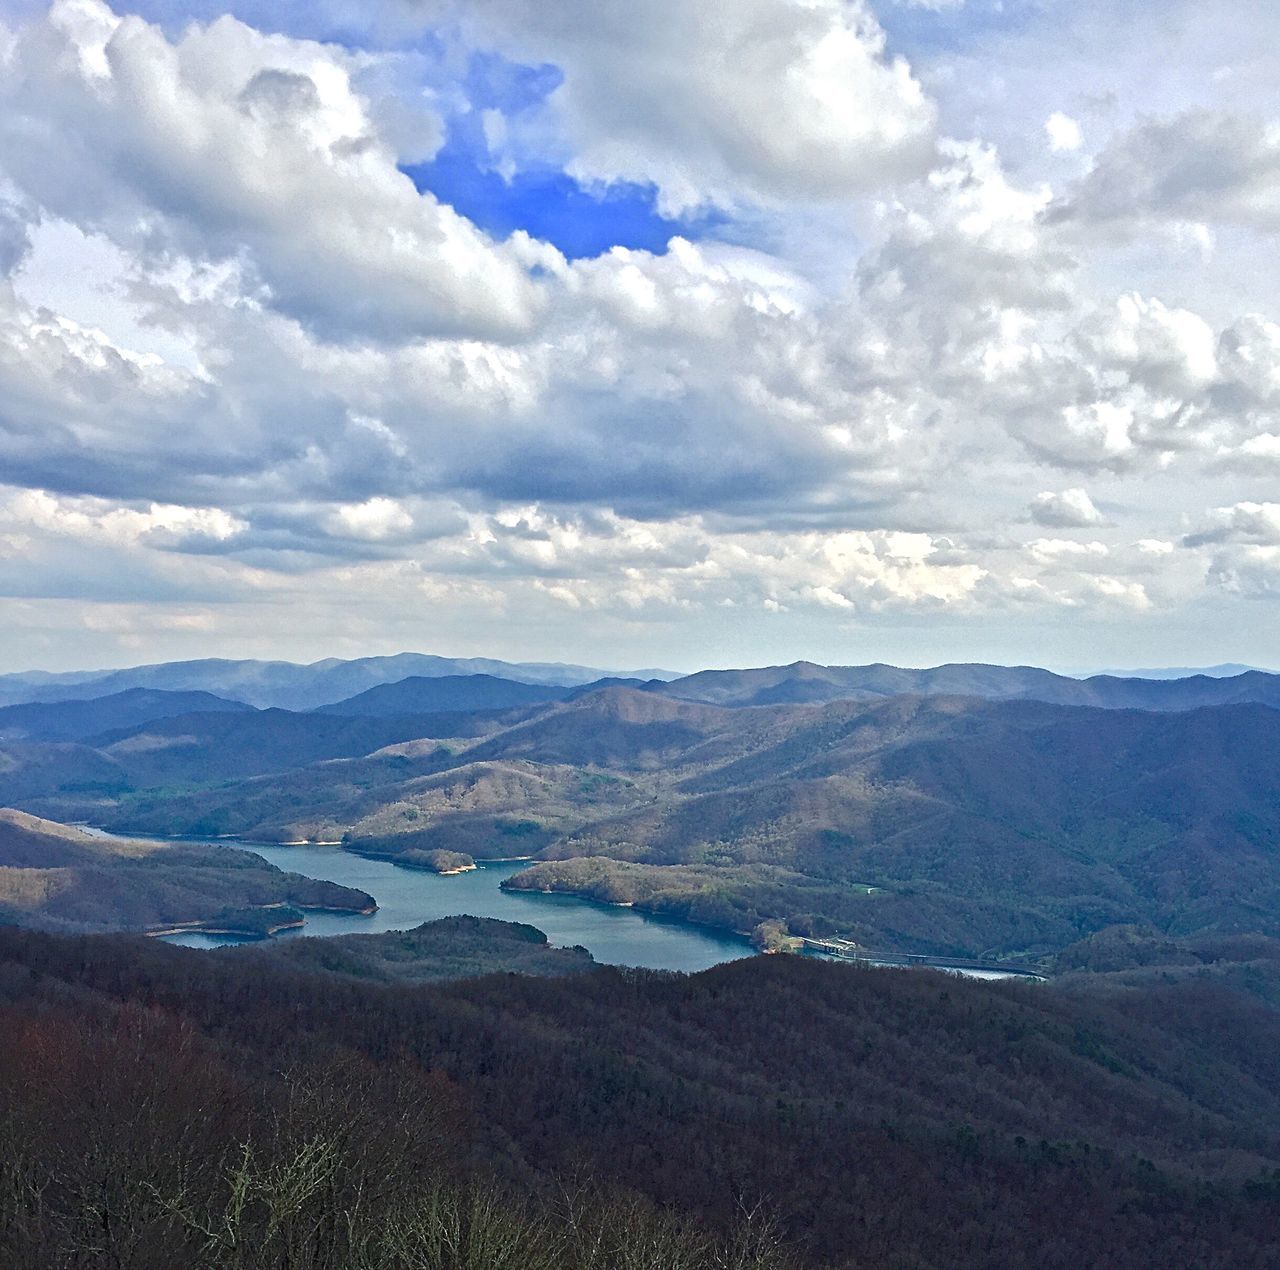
x: 640, y: 333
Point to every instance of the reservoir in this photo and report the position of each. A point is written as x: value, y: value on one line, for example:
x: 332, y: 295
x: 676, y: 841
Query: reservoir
x: 613, y: 934
x: 409, y: 897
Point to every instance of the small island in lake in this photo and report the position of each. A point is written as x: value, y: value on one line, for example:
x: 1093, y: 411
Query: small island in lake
x: 436, y: 861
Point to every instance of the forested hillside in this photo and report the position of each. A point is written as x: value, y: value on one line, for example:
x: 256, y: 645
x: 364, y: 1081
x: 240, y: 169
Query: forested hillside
x: 628, y: 1119
x: 449, y: 948
x: 57, y: 878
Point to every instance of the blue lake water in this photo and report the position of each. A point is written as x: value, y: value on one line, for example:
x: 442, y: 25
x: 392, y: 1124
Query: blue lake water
x: 409, y: 897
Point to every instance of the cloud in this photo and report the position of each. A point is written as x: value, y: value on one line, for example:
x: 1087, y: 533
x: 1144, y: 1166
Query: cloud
x: 1244, y: 522
x: 375, y: 519
x: 1252, y: 571
x: 1071, y: 509
x: 1200, y: 166
x: 725, y: 101
x: 230, y: 145
x: 247, y: 370
x: 1171, y: 352
x: 15, y: 235
x: 1063, y: 133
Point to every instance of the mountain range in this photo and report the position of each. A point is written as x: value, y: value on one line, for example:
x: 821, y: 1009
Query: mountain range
x: 284, y: 684
x: 76, y: 719
x: 1223, y: 670
x: 806, y: 682
x: 413, y: 683
x: 953, y: 825
x: 465, y: 1083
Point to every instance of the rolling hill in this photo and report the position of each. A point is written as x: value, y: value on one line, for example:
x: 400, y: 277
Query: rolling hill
x: 448, y: 948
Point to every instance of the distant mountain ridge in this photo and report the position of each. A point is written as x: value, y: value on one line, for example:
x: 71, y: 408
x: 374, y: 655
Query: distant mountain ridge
x: 80, y: 719
x: 807, y: 683
x: 422, y: 695
x: 287, y: 685
x: 412, y: 683
x: 1225, y: 670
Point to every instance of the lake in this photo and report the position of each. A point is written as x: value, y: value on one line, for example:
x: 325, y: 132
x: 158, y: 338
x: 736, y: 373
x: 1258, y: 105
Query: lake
x: 406, y: 898
x: 409, y: 897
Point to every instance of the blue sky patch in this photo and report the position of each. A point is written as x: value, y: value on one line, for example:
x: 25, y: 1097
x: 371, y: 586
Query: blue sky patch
x: 550, y: 205
x: 915, y: 32
x: 540, y: 198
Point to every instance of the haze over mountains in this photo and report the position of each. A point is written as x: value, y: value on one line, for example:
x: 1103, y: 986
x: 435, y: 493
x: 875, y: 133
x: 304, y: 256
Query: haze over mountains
x: 806, y: 682
x: 75, y: 719
x: 1224, y: 670
x: 412, y: 683
x: 280, y: 683
x: 419, y: 695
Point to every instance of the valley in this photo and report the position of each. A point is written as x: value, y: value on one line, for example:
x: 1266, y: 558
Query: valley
x: 948, y: 826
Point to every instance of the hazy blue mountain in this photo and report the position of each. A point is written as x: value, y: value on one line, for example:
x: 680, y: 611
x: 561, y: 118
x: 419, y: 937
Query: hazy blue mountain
x: 286, y: 684
x: 334, y: 683
x: 201, y: 747
x: 1226, y: 670
x: 421, y: 695
x: 805, y: 682
x: 78, y: 719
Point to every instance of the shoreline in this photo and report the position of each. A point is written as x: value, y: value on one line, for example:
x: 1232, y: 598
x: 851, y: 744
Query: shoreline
x: 196, y: 928
x: 884, y: 960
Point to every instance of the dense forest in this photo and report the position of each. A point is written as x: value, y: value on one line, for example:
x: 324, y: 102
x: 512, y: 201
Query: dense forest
x: 166, y: 1107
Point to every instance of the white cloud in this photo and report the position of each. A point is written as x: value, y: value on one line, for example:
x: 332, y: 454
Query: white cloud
x: 224, y: 395
x: 25, y: 512
x: 1050, y: 550
x: 1244, y: 522
x: 1252, y: 571
x: 726, y: 100
x: 1204, y: 166
x: 1070, y: 509
x: 374, y: 519
x: 233, y: 145
x: 1063, y: 133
